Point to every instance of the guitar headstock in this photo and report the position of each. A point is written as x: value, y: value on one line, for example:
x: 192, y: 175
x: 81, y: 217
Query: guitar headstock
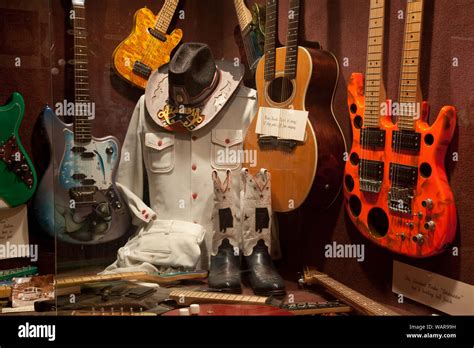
x: 311, y: 276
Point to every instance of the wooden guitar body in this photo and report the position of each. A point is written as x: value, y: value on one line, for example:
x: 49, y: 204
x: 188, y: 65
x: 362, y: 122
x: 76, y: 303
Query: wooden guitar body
x: 62, y: 205
x: 292, y: 171
x: 17, y: 174
x: 141, y: 46
x: 431, y: 225
x: 330, y: 139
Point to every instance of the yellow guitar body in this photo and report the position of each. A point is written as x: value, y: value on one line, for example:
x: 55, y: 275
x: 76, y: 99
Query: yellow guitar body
x: 141, y: 46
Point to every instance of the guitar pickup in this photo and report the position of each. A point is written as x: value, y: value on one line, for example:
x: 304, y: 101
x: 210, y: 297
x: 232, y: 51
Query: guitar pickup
x: 400, y: 200
x: 403, y: 176
x: 88, y: 182
x: 78, y: 149
x: 78, y: 176
x: 86, y: 155
x: 157, y: 34
x: 371, y: 175
x: 141, y: 69
x: 274, y: 142
x: 406, y: 140
x: 372, y: 138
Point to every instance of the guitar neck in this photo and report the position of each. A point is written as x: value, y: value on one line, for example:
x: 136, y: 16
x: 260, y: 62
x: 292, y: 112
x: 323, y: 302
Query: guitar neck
x: 270, y: 39
x: 72, y: 281
x: 353, y: 298
x: 188, y: 297
x: 409, y: 80
x: 374, y: 76
x: 292, y: 39
x: 166, y: 15
x: 82, y: 122
x: 243, y: 15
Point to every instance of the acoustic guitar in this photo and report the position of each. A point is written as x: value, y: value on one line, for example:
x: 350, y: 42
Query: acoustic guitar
x: 396, y: 189
x: 347, y: 295
x: 148, y: 46
x: 17, y: 175
x: 77, y: 199
x: 282, y: 78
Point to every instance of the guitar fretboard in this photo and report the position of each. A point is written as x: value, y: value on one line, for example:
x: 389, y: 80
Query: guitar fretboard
x: 353, y: 298
x: 166, y: 15
x: 71, y: 281
x: 373, y: 75
x: 82, y: 122
x: 270, y: 39
x: 410, y: 62
x: 292, y: 39
x: 187, y: 297
x: 243, y: 14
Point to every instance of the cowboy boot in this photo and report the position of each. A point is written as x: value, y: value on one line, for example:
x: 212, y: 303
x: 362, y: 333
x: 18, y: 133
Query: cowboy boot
x: 224, y: 274
x: 256, y: 223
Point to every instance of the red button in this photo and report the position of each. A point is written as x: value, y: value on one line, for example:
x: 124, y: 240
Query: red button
x: 160, y: 143
x: 227, y: 141
x: 194, y: 167
x: 143, y: 211
x: 146, y: 216
x: 195, y: 195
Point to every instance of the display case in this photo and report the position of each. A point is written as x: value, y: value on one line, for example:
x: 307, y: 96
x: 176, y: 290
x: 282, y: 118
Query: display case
x: 314, y: 152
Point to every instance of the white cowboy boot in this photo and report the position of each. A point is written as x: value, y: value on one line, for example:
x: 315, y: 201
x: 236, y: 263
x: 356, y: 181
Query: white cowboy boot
x: 256, y: 209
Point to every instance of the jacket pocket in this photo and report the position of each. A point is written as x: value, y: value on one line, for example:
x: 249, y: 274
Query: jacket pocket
x: 159, y: 152
x: 226, y: 149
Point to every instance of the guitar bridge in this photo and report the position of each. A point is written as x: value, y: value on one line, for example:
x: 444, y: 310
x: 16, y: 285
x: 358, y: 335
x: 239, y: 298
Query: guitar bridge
x: 274, y: 142
x: 371, y: 175
x: 141, y: 69
x: 157, y: 34
x: 400, y: 200
x: 83, y: 194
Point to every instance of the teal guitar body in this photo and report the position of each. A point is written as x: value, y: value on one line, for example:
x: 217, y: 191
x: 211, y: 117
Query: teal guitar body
x: 17, y: 175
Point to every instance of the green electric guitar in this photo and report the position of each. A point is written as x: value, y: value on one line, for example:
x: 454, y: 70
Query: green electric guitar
x: 17, y: 174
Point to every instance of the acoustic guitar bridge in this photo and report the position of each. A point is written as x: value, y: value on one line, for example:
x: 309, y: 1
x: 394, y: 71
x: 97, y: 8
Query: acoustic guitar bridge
x: 267, y: 142
x: 141, y: 69
x: 157, y: 34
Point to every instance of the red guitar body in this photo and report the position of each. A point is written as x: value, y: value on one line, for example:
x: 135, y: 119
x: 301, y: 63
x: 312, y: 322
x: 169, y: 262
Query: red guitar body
x: 430, y: 226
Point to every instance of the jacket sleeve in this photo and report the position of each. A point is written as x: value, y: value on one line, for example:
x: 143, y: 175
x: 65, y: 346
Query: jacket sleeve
x: 130, y: 170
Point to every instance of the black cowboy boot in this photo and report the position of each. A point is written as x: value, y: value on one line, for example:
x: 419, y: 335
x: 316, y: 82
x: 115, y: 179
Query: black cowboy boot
x: 224, y: 274
x: 264, y: 278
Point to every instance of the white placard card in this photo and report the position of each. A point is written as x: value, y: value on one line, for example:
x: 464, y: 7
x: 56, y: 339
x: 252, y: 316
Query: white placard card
x: 14, y: 233
x: 442, y: 293
x: 282, y: 123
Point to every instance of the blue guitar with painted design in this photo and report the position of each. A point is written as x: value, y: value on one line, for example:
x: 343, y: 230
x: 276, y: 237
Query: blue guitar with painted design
x: 77, y: 200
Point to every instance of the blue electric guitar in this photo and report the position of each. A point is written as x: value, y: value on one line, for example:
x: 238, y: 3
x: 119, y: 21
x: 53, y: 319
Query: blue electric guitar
x: 77, y: 200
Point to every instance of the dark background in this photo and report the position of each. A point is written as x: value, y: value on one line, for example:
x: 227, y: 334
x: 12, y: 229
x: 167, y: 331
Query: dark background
x: 35, y: 31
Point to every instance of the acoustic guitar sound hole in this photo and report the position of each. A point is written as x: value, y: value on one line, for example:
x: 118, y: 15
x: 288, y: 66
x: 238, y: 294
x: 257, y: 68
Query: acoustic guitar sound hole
x: 378, y: 222
x: 280, y: 89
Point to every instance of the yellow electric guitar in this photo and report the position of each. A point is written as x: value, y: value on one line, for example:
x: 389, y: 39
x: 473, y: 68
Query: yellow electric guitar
x: 148, y: 46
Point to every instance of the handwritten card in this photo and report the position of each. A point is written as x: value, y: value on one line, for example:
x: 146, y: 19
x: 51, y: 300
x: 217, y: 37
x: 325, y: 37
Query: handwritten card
x: 282, y: 123
x: 13, y: 229
x: 442, y: 293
